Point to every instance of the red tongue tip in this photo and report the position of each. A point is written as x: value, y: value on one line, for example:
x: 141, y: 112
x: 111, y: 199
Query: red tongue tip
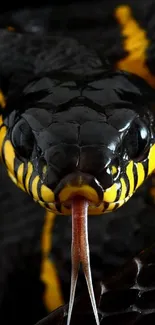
x: 80, y: 252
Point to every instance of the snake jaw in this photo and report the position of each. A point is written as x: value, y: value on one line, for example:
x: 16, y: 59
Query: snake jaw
x: 80, y: 253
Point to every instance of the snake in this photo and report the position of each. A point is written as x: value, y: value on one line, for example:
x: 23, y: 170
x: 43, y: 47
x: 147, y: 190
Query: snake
x: 77, y: 123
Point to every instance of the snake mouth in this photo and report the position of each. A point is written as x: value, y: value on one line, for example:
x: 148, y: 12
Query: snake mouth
x: 100, y: 200
x: 78, y: 184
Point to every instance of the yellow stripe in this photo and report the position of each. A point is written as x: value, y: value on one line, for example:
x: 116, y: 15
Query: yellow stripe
x: 28, y: 175
x: 41, y: 203
x: 2, y: 104
x: 121, y: 203
x: 34, y: 188
x: 9, y: 155
x: 152, y: 189
x: 2, y: 100
x: 140, y: 174
x: 110, y: 207
x: 52, y: 295
x: 3, y: 132
x: 20, y: 173
x: 1, y: 120
x: 129, y: 172
x: 111, y: 193
x: 84, y: 190
x: 46, y: 194
x: 123, y: 189
x: 151, y: 160
x: 135, y: 43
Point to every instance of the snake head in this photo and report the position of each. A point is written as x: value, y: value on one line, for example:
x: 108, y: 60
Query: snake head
x: 80, y: 148
x: 93, y: 138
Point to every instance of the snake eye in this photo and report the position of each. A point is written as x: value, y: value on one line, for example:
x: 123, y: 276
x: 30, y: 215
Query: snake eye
x: 136, y: 141
x: 22, y: 139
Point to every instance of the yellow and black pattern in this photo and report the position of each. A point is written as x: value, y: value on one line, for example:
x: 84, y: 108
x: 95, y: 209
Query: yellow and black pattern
x: 23, y: 175
x: 53, y: 295
x: 120, y: 192
x: 135, y: 43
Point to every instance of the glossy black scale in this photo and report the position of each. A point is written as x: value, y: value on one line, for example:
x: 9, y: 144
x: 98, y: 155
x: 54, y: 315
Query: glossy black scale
x: 78, y: 126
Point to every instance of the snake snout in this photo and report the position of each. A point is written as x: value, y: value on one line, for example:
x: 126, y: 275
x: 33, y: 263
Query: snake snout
x: 76, y: 184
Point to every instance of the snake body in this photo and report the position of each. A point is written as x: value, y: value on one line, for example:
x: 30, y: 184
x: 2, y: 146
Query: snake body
x: 71, y: 123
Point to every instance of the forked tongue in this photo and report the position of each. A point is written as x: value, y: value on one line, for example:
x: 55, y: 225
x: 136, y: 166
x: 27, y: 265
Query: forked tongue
x: 80, y: 252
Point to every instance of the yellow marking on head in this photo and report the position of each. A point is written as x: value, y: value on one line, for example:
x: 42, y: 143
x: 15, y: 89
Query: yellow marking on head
x: 52, y: 295
x: 129, y: 172
x: 20, y: 173
x: 123, y: 189
x: 121, y: 203
x: 3, y: 132
x: 135, y: 43
x: 111, y: 193
x: 34, y: 188
x: 9, y: 155
x: 114, y: 170
x: 84, y: 190
x: 46, y: 194
x: 140, y: 174
x: 2, y: 100
x: 151, y: 160
x: 111, y: 207
x: 28, y: 175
